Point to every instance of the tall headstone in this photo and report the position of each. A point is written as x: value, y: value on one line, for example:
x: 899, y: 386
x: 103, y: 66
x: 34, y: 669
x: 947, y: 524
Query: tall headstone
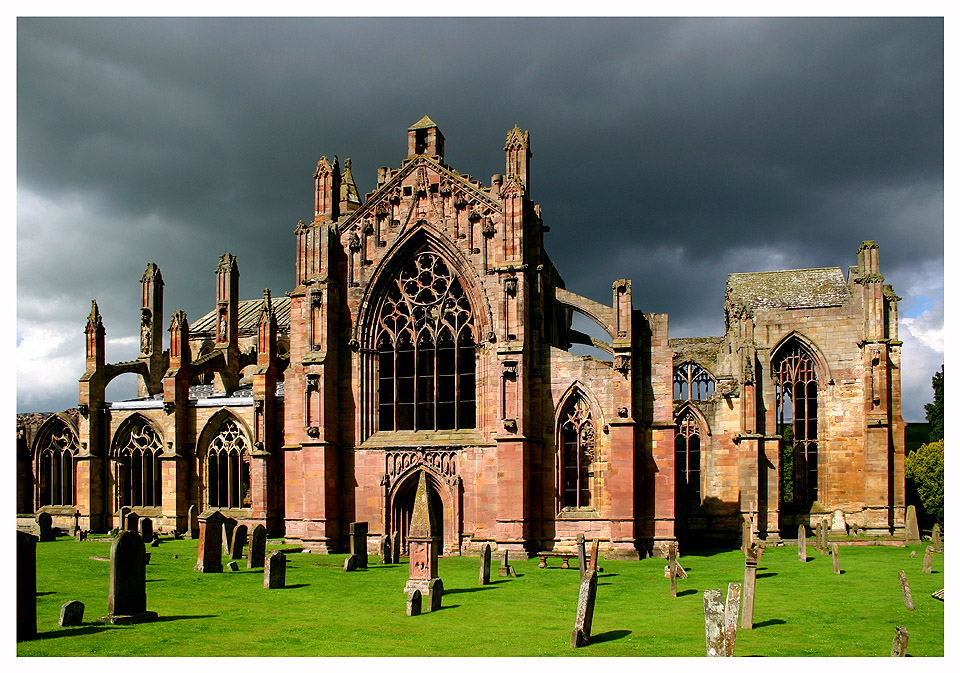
x: 211, y: 535
x: 580, y: 636
x: 358, y: 542
x: 122, y: 517
x: 802, y: 543
x: 594, y: 562
x: 747, y: 536
x: 229, y: 523
x: 127, y: 598
x: 132, y: 522
x: 26, y: 586
x: 824, y: 538
x: 730, y: 614
x: 838, y: 523
x: 900, y: 639
x: 384, y: 549
x: 256, y: 552
x: 936, y: 537
x: 905, y: 590
x: 76, y: 523
x: 485, y: 565
x: 581, y: 554
x: 193, y: 526
x: 911, y: 532
x: 395, y: 546
x: 275, y: 571
x: 672, y: 562
x: 713, y: 623
x: 71, y: 613
x: 505, y: 569
x: 836, y: 559
x: 928, y: 559
x: 45, y: 527
x: 749, y: 587
x: 423, y: 541
x: 146, y: 530
x: 238, y: 542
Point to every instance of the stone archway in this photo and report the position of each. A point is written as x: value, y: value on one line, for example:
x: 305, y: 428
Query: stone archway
x: 402, y: 509
x: 403, y: 468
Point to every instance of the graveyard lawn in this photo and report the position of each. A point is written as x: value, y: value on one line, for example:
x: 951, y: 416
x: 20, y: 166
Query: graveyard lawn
x: 800, y: 609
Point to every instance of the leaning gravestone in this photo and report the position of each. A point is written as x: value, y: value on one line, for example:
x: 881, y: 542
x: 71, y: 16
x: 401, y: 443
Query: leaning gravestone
x: 45, y: 527
x: 257, y: 549
x: 71, y: 613
x: 905, y: 590
x: 594, y: 562
x: 802, y: 544
x: 485, y: 565
x: 350, y: 563
x: 383, y: 548
x: 911, y: 532
x: 936, y: 537
x: 928, y: 559
x: 193, y: 527
x: 127, y: 598
x: 713, y: 623
x: 229, y: 523
x: 239, y: 541
x: 580, y: 636
x: 900, y: 639
x: 146, y: 530
x: 836, y: 559
x: 232, y: 566
x: 26, y: 586
x: 275, y: 571
x: 730, y: 614
x: 208, y: 551
x: 749, y: 587
x: 395, y: 547
x: 581, y: 554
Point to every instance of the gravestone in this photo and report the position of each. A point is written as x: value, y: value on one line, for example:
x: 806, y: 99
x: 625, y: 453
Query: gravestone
x: 937, y: 538
x: 26, y: 586
x: 838, y: 524
x: 71, y: 613
x: 749, y: 587
x: 45, y: 527
x: 423, y: 541
x: 275, y: 571
x: 802, y: 543
x: 257, y: 549
x: 730, y: 614
x: 905, y: 590
x: 358, y: 542
x: 594, y: 562
x: 505, y: 569
x: 485, y: 565
x: 395, y: 546
x: 836, y: 559
x: 81, y: 535
x: 928, y: 559
x: 239, y: 542
x: 193, y: 526
x: 229, y: 523
x: 713, y: 623
x: 350, y: 563
x: 232, y: 566
x: 672, y: 562
x: 900, y: 639
x: 911, y: 531
x: 384, y: 550
x: 155, y: 542
x: 146, y: 530
x: 581, y: 554
x: 132, y: 522
x: 414, y: 603
x: 746, y: 537
x: 580, y: 636
x: 824, y: 538
x: 127, y: 598
x: 211, y: 535
x: 913, y: 554
x: 938, y: 594
x: 122, y: 518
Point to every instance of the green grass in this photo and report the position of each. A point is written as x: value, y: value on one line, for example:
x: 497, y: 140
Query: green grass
x: 800, y: 609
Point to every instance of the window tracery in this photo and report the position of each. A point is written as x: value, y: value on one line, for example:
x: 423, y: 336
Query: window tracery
x: 797, y: 410
x: 228, y: 469
x: 692, y: 382
x: 577, y: 437
x: 138, y: 466
x: 55, y: 466
x: 687, y: 446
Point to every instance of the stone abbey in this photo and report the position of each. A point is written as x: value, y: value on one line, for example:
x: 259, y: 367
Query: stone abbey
x: 427, y: 332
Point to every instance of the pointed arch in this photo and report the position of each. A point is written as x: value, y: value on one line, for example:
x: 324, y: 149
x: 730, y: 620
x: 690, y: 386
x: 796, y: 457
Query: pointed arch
x: 692, y: 428
x: 223, y: 455
x: 54, y: 461
x: 442, y: 495
x: 577, y: 420
x: 797, y: 338
x: 135, y: 451
x: 693, y: 381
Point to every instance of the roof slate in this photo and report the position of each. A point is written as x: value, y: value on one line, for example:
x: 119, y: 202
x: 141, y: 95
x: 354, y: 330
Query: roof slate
x: 799, y: 288
x: 249, y: 318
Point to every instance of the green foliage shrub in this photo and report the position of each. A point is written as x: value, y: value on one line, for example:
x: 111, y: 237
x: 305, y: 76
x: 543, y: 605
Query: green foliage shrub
x: 924, y: 473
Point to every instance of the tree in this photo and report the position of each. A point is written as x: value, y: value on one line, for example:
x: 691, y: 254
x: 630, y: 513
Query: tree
x: 924, y: 472
x: 935, y: 408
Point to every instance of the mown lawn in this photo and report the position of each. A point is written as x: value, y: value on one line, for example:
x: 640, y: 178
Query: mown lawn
x: 800, y: 609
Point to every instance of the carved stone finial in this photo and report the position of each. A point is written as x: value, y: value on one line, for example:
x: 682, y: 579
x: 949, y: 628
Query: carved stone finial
x: 423, y: 522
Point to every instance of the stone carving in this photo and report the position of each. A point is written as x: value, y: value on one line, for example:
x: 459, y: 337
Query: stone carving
x: 621, y: 363
x: 912, y: 530
x: 26, y: 586
x: 256, y: 552
x: 838, y: 524
x: 71, y: 613
x: 713, y: 615
x: 275, y: 571
x: 422, y: 543
x: 905, y: 590
x: 127, y: 598
x: 238, y: 541
x: 485, y: 565
x: 928, y: 559
x: 211, y: 535
x: 580, y: 636
x: 900, y: 639
x: 441, y: 461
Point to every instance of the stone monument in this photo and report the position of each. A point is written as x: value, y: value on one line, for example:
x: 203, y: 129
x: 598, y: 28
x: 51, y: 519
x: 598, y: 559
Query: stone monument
x: 275, y: 571
x: 580, y: 636
x: 208, y: 551
x: 749, y: 587
x: 485, y: 564
x: 911, y: 531
x: 256, y: 552
x: 127, y: 598
x: 422, y: 541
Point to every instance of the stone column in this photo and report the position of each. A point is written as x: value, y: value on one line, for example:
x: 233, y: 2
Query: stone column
x: 749, y: 588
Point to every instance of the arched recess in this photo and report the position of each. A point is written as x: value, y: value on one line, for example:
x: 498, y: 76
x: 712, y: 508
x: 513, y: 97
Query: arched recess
x: 690, y: 443
x: 444, y: 500
x: 821, y: 367
x: 693, y: 381
x: 223, y: 462
x: 577, y: 427
x: 135, y: 451
x: 54, y: 462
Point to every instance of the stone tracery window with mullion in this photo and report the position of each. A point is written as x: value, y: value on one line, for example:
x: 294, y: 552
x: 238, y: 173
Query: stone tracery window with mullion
x: 797, y: 411
x: 577, y: 437
x: 228, y: 468
x: 55, y: 467
x: 426, y: 346
x: 687, y: 445
x: 138, y: 466
x: 692, y: 382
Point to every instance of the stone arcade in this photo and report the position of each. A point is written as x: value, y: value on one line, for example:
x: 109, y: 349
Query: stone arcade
x: 427, y: 333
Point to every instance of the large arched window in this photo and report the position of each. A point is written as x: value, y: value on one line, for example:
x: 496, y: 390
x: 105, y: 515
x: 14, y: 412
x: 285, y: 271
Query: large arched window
x: 138, y: 465
x: 228, y: 469
x: 687, y: 458
x: 55, y: 465
x: 426, y: 348
x: 577, y: 440
x: 692, y: 382
x: 796, y: 381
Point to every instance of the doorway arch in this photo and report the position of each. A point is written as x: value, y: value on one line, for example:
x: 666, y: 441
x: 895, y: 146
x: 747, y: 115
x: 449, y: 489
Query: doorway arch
x: 401, y: 500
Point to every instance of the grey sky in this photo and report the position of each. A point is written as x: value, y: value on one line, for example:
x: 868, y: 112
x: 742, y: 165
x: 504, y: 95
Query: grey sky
x: 668, y: 151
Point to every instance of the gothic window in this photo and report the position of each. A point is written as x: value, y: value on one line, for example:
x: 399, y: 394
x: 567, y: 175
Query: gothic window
x: 687, y: 458
x: 692, y: 382
x: 228, y: 469
x: 55, y: 466
x: 577, y: 439
x: 426, y: 348
x: 796, y: 382
x: 138, y: 466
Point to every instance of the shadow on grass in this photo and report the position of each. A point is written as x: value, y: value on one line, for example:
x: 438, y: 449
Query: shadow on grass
x: 46, y: 593
x: 177, y: 618
x: 768, y: 622
x: 296, y: 586
x: 72, y: 631
x: 609, y: 635
x: 759, y: 575
x: 157, y: 580
x: 497, y: 581
x: 447, y: 607
x: 466, y: 591
x: 687, y: 592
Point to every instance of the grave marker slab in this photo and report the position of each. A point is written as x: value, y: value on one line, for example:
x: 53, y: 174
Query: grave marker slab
x: 836, y: 559
x: 256, y: 551
x: 672, y: 563
x: 838, y: 524
x: 350, y: 563
x: 384, y: 550
x: 211, y: 535
x: 730, y: 614
x: 414, y: 603
x: 905, y: 590
x: 749, y: 588
x: 911, y: 531
x: 505, y: 569
x: 127, y: 598
x: 900, y: 639
x: 581, y: 554
x: 122, y: 518
x: 232, y: 566
x: 936, y: 537
x: 238, y: 542
x: 580, y: 636
x: 358, y: 542
x: 193, y: 526
x: 275, y: 571
x: 45, y: 527
x: 26, y: 586
x: 802, y: 543
x: 928, y: 559
x: 76, y: 523
x: 71, y: 614
x: 146, y: 530
x: 132, y: 522
x: 229, y: 523
x: 485, y: 565
x: 395, y: 546
x: 713, y: 623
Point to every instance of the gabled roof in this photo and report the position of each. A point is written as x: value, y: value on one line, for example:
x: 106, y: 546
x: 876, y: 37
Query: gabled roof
x: 799, y: 288
x: 248, y: 318
x: 425, y: 123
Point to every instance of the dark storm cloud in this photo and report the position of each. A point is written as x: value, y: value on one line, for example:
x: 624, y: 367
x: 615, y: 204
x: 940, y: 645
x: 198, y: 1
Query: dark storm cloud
x: 668, y: 151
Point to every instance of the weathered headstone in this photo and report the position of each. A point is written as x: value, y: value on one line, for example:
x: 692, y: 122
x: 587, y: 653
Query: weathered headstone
x: 824, y: 538
x: 594, y: 562
x: 505, y: 569
x: 275, y: 571
x: 802, y: 543
x: 395, y: 546
x: 485, y: 565
x: 414, y: 603
x: 913, y: 554
x: 211, y: 535
x: 749, y: 587
x: 257, y: 549
x: 239, y: 542
x: 838, y: 524
x: 193, y: 526
x: 713, y: 623
x: 122, y: 518
x: 747, y: 536
x: 905, y: 590
x: 232, y: 566
x: 71, y: 613
x: 155, y: 542
x: 26, y: 586
x: 581, y: 554
x: 384, y: 550
x: 132, y: 522
x: 229, y: 523
x: 900, y: 639
x: 911, y: 532
x: 358, y: 542
x: 928, y: 559
x: 730, y: 614
x: 127, y: 598
x: 672, y: 562
x: 146, y: 530
x: 580, y: 636
x: 45, y: 527
x: 76, y: 523
x: 350, y: 563
x: 423, y: 541
x: 836, y: 559
x: 936, y: 537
